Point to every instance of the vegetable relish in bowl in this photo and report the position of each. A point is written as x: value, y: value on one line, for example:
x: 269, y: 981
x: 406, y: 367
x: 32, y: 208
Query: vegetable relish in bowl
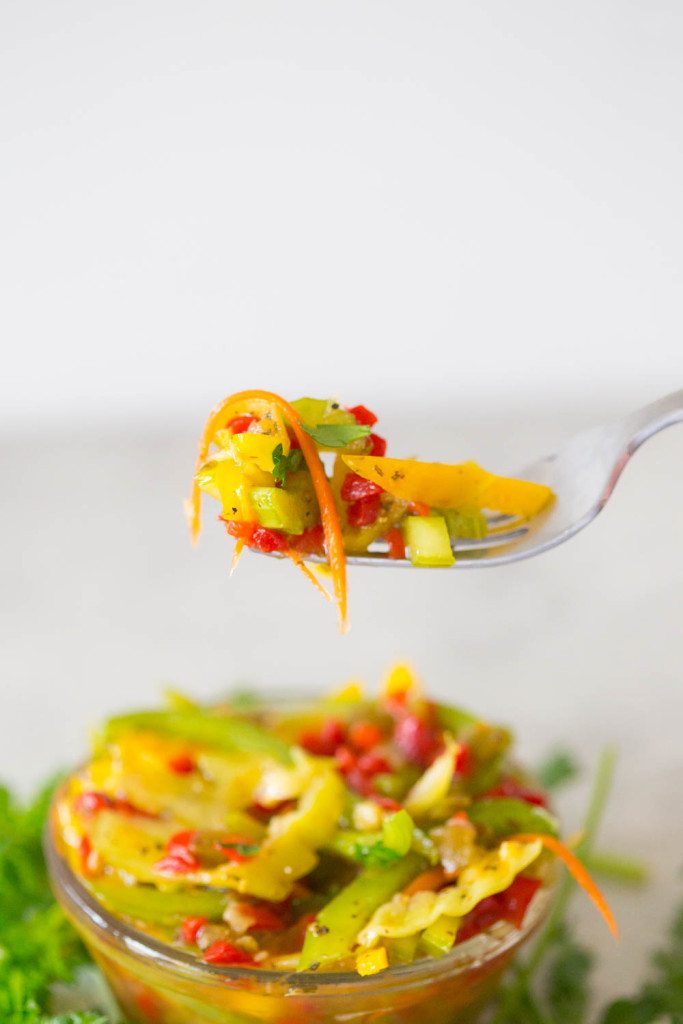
x: 260, y: 457
x: 346, y: 836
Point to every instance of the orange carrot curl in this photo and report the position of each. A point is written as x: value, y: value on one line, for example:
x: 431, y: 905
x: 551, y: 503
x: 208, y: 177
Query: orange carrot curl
x: 576, y: 870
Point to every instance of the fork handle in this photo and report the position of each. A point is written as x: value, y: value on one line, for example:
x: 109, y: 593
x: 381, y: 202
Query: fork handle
x: 649, y: 420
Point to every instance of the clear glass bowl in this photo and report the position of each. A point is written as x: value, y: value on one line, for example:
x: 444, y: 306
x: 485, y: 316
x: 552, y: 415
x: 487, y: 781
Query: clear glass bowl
x: 155, y: 983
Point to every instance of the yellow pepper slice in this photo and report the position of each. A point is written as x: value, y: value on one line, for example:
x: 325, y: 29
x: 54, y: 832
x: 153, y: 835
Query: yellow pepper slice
x: 432, y: 787
x: 490, y: 872
x: 451, y: 486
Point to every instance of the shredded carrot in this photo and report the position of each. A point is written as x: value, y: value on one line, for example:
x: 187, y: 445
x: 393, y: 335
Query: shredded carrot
x: 331, y: 524
x: 577, y: 870
x: 308, y: 573
x: 236, y: 555
x: 428, y: 881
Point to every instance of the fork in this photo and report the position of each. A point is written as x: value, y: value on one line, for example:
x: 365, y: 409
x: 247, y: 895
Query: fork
x: 582, y: 473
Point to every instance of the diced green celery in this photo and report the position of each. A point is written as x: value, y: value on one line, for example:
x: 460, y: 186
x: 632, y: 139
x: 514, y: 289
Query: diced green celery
x: 428, y: 540
x: 397, y: 832
x: 314, y: 411
x: 311, y: 410
x: 423, y: 844
x: 468, y: 523
x: 401, y: 951
x: 438, y: 939
x: 277, y: 509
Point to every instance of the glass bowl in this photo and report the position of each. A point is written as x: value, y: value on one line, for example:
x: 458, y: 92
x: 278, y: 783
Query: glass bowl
x: 155, y: 983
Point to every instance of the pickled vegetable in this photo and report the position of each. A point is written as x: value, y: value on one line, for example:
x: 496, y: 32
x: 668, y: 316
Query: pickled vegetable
x: 342, y: 834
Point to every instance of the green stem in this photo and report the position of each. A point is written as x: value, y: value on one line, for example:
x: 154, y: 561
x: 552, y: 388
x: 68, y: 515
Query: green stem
x: 615, y: 867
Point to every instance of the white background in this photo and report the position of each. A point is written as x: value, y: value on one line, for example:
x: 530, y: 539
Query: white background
x: 467, y: 215
x: 483, y: 197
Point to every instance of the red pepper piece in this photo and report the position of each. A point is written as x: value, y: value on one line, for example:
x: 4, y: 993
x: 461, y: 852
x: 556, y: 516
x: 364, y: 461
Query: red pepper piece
x: 362, y: 415
x: 189, y: 929
x: 365, y: 736
x: 397, y: 546
x: 516, y: 899
x: 172, y: 865
x: 373, y: 764
x: 356, y: 488
x: 418, y: 508
x: 90, y: 803
x: 240, y: 424
x: 267, y: 540
x: 346, y: 759
x: 509, y: 787
x: 418, y: 741
x: 236, y: 849
x: 462, y: 762
x: 182, y: 764
x: 240, y: 531
x: 88, y: 858
x: 223, y: 952
x: 179, y: 843
x: 179, y: 859
x: 359, y: 781
x: 378, y: 446
x: 264, y: 813
x: 255, y: 536
x: 365, y: 511
x: 482, y: 917
x: 263, y: 918
x: 324, y: 741
x: 386, y: 802
x: 310, y: 542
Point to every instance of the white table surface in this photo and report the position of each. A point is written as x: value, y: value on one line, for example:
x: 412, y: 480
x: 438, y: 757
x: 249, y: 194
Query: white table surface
x: 104, y: 601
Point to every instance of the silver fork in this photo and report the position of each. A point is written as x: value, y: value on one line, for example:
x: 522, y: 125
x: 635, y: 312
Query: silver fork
x: 583, y: 475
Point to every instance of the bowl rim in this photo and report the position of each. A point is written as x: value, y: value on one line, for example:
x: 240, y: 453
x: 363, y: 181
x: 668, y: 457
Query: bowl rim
x: 470, y: 955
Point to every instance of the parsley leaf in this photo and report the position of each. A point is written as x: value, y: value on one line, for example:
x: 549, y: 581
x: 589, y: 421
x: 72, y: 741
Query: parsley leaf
x: 660, y: 999
x: 336, y: 435
x: 567, y: 982
x: 284, y: 464
x: 378, y: 854
x: 557, y: 770
x: 37, y: 944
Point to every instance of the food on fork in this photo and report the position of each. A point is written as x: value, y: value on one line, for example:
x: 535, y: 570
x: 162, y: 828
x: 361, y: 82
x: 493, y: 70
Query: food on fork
x: 260, y: 457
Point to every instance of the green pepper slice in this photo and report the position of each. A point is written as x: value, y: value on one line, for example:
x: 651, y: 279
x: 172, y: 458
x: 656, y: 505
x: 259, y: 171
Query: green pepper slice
x: 333, y: 933
x: 232, y: 735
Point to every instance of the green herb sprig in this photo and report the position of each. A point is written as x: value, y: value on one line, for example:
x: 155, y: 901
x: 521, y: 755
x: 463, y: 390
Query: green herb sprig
x: 284, y: 464
x: 336, y: 435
